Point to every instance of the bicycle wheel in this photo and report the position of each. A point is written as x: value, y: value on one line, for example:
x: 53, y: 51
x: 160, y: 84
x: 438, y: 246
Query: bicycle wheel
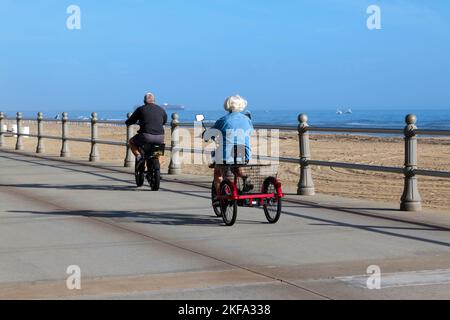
x: 156, y: 180
x: 139, y: 173
x: 154, y: 174
x: 215, y: 203
x: 228, y: 208
x: 272, y: 207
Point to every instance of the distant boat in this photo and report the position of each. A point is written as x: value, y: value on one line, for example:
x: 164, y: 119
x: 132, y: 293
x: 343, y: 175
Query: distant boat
x: 172, y: 106
x: 348, y: 111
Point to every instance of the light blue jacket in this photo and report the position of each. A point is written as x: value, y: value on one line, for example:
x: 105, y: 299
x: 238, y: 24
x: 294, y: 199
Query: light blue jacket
x: 235, y: 129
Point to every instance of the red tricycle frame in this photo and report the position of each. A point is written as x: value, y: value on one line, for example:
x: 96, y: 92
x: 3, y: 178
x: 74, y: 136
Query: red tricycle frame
x: 229, y: 196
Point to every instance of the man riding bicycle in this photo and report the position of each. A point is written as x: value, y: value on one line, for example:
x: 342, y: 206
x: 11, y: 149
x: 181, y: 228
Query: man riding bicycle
x: 234, y: 129
x: 151, y: 119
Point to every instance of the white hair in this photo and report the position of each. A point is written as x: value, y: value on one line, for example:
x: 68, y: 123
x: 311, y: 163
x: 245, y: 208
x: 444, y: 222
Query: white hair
x: 235, y: 104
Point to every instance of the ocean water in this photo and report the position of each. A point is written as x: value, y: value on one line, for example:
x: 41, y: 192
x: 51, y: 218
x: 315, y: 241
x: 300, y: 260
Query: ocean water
x: 382, y: 118
x: 426, y: 118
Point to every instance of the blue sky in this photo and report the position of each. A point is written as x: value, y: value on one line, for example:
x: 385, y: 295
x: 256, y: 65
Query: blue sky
x: 278, y: 54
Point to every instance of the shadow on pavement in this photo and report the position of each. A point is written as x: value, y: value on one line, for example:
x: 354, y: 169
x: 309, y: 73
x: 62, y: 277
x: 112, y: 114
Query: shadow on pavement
x: 156, y: 218
x: 375, y: 228
x: 182, y: 219
x: 96, y: 187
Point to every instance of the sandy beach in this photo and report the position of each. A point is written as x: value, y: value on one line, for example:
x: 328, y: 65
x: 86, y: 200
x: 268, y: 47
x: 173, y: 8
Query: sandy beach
x: 434, y: 153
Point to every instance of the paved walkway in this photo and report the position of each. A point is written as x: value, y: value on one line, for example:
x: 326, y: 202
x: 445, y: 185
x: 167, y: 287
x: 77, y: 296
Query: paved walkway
x: 135, y: 243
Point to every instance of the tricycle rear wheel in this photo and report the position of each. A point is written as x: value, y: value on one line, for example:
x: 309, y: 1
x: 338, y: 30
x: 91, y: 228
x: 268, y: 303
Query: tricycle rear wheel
x: 272, y: 206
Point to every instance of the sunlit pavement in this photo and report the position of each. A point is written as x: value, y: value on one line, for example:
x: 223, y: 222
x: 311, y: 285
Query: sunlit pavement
x: 136, y: 243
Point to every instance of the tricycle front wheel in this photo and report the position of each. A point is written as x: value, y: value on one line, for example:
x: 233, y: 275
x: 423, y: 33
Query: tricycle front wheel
x: 214, y: 202
x: 228, y: 208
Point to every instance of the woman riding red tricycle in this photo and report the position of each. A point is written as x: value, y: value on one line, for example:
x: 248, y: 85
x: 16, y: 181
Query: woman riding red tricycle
x: 237, y: 183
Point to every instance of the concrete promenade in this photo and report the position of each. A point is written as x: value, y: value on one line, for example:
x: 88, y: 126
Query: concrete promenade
x: 135, y: 243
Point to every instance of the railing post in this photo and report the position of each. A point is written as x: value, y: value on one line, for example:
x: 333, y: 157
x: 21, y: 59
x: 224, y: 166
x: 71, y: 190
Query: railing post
x: 94, y: 156
x: 129, y: 159
x: 40, y: 131
x: 174, y: 166
x: 2, y: 141
x: 410, y: 200
x: 19, y: 143
x: 65, y: 132
x: 305, y: 185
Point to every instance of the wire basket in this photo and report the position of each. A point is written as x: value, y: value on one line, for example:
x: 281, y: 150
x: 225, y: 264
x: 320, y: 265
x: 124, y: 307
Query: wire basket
x: 253, y: 177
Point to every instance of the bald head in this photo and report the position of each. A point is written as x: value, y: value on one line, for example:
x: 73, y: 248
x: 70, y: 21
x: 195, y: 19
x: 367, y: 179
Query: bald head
x: 149, y: 98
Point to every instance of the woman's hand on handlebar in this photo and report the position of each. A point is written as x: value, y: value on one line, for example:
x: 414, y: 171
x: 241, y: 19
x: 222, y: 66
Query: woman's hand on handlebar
x: 209, y: 134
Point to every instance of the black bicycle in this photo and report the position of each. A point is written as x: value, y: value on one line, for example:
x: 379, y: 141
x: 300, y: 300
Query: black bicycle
x: 148, y: 166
